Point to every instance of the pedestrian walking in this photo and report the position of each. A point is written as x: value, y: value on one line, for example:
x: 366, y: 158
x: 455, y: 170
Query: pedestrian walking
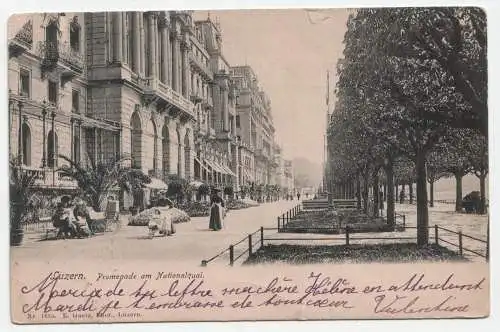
x: 216, y: 211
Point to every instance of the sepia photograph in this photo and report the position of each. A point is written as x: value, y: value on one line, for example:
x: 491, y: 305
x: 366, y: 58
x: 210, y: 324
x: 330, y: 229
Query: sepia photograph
x: 176, y: 165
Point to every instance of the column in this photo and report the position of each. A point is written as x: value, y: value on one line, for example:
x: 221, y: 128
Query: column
x: 117, y: 37
x: 54, y: 143
x: 44, y: 140
x: 20, y: 135
x: 79, y: 141
x: 175, y: 61
x: 151, y: 45
x: 225, y: 110
x: 136, y: 29
x: 185, y: 69
x: 125, y: 38
x: 142, y: 45
x: 164, y: 51
x: 72, y: 133
x: 157, y: 46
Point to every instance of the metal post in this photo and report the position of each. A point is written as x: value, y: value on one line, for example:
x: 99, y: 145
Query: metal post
x: 231, y: 255
x: 460, y: 251
x: 347, y: 235
x: 250, y: 245
x: 404, y: 222
x: 261, y: 236
x: 436, y: 234
x: 203, y: 263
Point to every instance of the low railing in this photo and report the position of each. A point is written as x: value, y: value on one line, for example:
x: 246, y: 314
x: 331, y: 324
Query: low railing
x: 54, y: 51
x: 254, y: 241
x: 48, y: 177
x: 287, y: 216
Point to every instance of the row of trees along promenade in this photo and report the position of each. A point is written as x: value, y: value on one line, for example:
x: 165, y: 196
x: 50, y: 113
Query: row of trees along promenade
x: 411, y: 102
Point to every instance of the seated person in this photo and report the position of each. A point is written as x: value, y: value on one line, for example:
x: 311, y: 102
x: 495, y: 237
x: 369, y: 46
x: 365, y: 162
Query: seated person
x: 63, y: 218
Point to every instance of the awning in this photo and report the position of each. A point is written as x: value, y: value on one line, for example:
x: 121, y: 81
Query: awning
x: 156, y: 184
x: 216, y: 167
x: 228, y: 171
x: 209, y: 164
x: 202, y: 164
x: 196, y: 184
x: 247, y: 175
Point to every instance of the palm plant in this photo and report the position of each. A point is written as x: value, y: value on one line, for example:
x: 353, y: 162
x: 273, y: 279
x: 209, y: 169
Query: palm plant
x: 23, y: 199
x: 97, y: 180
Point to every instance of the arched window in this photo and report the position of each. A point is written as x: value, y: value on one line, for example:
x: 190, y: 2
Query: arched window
x: 136, y: 140
x: 166, y: 149
x: 52, y: 149
x: 26, y: 132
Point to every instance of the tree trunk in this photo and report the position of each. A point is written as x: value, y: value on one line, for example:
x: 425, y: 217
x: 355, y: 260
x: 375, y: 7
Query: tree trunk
x: 422, y: 209
x: 385, y: 192
x: 458, y: 191
x: 402, y: 197
x: 376, y: 194
x: 390, y: 194
x: 482, y: 186
x: 365, y: 192
x: 411, y: 192
x: 431, y: 193
x: 358, y: 190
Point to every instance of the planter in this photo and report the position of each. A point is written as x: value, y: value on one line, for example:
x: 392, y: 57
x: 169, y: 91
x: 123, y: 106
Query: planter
x: 16, y: 236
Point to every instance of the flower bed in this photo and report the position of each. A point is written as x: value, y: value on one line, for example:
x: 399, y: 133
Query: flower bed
x: 333, y: 222
x: 202, y: 209
x: 399, y: 252
x: 238, y: 205
x: 196, y: 209
x: 175, y: 215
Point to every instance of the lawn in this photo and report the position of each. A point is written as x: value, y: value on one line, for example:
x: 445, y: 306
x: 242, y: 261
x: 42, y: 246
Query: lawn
x: 358, y: 253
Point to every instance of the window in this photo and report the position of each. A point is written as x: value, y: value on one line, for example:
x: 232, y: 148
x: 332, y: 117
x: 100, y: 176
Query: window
x: 74, y: 35
x: 53, y: 92
x: 237, y: 121
x: 25, y: 82
x: 75, y: 101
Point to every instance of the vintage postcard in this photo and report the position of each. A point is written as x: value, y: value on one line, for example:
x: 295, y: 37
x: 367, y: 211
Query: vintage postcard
x: 248, y: 165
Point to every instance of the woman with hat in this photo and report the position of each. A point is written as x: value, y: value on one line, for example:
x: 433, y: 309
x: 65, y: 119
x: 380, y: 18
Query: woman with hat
x: 62, y: 218
x: 216, y: 211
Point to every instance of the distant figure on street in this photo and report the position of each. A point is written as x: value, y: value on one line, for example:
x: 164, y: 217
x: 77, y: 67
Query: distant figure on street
x: 298, y: 196
x: 216, y: 211
x: 401, y: 197
x: 307, y: 195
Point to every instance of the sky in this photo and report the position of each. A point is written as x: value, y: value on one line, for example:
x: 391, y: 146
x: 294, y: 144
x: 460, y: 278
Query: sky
x: 290, y: 52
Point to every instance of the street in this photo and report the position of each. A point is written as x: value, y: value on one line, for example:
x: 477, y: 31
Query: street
x: 192, y: 242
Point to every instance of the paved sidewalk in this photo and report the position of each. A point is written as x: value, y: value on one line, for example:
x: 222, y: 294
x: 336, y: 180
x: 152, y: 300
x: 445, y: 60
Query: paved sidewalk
x: 192, y: 242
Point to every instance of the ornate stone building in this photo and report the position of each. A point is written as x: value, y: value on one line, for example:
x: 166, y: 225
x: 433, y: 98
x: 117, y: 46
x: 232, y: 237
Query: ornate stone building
x: 254, y: 125
x: 154, y: 86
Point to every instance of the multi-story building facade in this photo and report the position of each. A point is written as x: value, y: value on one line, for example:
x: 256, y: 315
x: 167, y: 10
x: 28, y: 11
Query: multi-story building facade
x: 254, y: 126
x: 154, y: 86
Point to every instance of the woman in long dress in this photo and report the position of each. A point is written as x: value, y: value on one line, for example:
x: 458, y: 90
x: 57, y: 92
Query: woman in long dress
x: 216, y: 212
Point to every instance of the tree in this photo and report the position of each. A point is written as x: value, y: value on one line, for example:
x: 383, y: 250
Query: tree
x: 435, y: 171
x: 22, y: 197
x: 96, y: 180
x: 479, y: 163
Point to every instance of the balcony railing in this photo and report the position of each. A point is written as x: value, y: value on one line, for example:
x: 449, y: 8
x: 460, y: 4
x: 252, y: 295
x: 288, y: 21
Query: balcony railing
x: 47, y: 177
x: 201, y: 66
x: 52, y: 52
x: 154, y: 86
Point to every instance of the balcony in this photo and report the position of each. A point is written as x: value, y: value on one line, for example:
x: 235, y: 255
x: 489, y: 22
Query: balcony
x: 196, y: 97
x: 22, y: 41
x: 61, y: 56
x: 50, y: 178
x: 155, y: 88
x: 200, y: 67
